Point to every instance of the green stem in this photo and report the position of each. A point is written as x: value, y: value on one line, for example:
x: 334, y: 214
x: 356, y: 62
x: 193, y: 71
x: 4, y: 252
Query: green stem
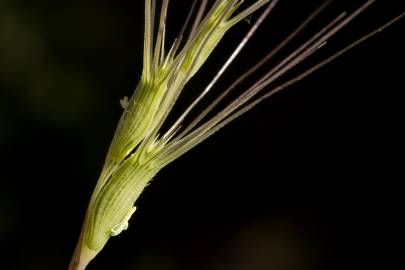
x: 82, y: 255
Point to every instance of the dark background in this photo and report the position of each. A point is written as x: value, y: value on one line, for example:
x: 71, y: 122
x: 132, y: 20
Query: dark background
x: 307, y: 180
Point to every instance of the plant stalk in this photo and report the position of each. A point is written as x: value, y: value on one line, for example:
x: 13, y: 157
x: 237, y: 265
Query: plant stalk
x: 82, y: 255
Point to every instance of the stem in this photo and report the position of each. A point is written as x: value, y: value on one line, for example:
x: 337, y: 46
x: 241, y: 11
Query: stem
x: 82, y: 255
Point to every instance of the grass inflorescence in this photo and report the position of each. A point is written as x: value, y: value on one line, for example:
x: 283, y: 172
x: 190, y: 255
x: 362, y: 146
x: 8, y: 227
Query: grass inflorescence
x: 141, y: 147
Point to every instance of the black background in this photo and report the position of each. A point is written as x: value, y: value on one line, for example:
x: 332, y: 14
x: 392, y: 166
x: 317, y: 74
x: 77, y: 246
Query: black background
x: 307, y: 180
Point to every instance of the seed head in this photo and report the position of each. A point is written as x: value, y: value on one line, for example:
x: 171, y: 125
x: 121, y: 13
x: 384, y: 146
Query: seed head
x: 140, y: 148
